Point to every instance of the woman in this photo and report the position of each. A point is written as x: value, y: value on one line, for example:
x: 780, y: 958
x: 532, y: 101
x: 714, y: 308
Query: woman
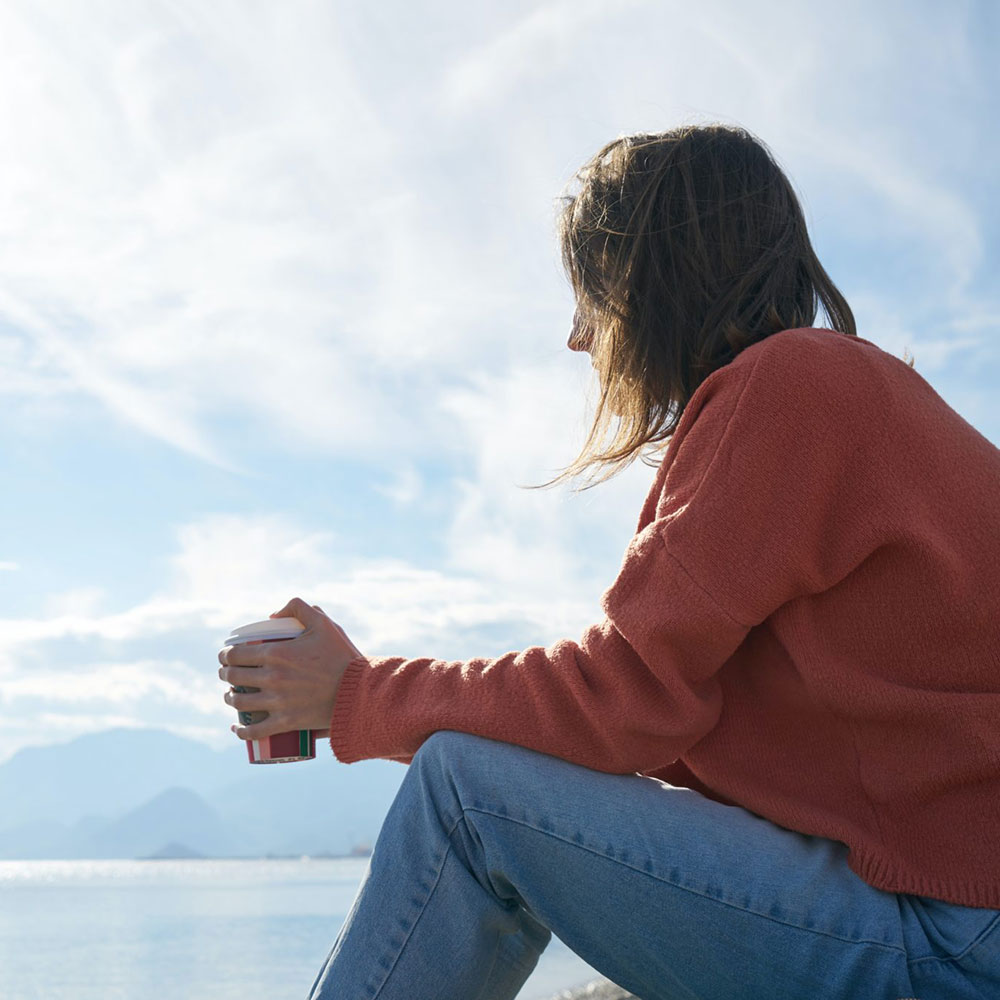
x: 773, y: 769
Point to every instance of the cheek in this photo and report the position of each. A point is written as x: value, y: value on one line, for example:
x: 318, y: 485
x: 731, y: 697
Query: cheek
x: 581, y: 335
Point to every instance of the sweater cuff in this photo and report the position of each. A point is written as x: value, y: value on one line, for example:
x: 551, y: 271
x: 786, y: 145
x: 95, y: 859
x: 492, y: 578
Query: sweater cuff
x: 344, y: 713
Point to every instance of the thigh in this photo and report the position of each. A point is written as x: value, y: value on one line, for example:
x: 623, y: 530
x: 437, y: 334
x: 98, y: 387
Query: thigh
x: 666, y: 892
x: 954, y: 951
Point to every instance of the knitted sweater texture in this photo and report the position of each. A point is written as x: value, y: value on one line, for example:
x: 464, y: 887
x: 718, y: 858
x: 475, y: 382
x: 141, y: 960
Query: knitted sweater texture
x: 806, y: 624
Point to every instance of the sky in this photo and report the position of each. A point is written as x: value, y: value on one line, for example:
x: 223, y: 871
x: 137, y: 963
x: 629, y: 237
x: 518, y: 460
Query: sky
x: 282, y: 312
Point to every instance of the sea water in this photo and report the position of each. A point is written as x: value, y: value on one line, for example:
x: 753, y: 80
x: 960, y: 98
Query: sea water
x: 186, y: 930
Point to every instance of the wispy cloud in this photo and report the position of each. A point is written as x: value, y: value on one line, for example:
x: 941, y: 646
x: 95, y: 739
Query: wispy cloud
x: 203, y: 254
x: 537, y: 45
x: 208, y: 215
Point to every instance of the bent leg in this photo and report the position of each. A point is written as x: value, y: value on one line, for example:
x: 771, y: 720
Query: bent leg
x: 421, y: 925
x: 489, y: 847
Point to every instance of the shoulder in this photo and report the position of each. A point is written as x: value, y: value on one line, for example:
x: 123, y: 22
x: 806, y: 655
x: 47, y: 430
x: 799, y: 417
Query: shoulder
x: 802, y: 389
x: 795, y: 377
x: 792, y: 361
x: 809, y: 350
x: 804, y: 368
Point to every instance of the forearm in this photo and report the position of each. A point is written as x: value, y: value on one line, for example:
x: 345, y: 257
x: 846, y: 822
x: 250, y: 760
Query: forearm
x: 595, y: 703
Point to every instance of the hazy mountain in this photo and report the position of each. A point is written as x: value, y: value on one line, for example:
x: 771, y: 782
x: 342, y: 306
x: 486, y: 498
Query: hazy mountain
x: 173, y: 851
x: 38, y: 839
x: 177, y: 816
x: 105, y: 774
x: 312, y: 807
x: 140, y: 793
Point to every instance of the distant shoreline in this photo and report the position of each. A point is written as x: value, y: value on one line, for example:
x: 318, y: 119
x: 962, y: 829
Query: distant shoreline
x: 356, y: 855
x: 202, y: 857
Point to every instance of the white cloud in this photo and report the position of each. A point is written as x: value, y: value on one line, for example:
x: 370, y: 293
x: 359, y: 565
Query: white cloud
x: 226, y: 561
x: 123, y: 685
x: 227, y: 569
x: 78, y: 602
x: 8, y: 566
x: 524, y: 425
x: 231, y: 569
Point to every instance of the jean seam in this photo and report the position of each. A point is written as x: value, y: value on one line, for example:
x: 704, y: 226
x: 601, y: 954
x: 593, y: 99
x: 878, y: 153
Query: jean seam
x: 409, y: 933
x: 684, y: 888
x: 979, y: 938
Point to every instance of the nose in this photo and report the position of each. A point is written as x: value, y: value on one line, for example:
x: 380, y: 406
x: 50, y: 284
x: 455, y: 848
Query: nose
x: 579, y: 336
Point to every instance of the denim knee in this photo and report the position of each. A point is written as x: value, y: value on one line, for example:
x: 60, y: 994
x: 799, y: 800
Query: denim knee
x: 453, y: 748
x: 462, y: 770
x: 448, y: 743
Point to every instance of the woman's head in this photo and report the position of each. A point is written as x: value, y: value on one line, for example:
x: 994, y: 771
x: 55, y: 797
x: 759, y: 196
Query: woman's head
x: 683, y: 248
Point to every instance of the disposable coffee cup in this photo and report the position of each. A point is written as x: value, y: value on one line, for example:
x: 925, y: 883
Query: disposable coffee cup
x: 281, y: 748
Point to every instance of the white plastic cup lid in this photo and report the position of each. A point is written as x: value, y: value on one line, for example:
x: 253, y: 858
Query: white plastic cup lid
x: 272, y: 628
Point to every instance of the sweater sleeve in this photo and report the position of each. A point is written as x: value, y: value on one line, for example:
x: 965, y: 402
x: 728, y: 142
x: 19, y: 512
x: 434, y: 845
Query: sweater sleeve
x: 633, y: 693
x: 748, y: 514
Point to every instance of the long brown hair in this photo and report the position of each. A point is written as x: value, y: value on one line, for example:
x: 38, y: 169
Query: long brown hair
x: 683, y: 248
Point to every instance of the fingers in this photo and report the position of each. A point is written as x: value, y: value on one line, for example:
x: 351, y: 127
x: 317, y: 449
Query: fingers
x: 258, y: 730
x: 257, y: 701
x: 297, y: 608
x: 247, y: 654
x: 244, y: 676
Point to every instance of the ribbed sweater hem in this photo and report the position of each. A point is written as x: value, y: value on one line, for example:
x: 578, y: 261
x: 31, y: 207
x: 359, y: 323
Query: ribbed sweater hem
x: 889, y: 877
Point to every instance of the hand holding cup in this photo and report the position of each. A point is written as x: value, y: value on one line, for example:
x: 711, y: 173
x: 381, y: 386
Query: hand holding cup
x: 296, y: 679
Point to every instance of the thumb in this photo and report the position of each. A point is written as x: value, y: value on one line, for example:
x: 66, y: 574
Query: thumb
x: 297, y: 608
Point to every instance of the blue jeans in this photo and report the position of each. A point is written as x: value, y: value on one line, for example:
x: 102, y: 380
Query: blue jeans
x: 488, y: 848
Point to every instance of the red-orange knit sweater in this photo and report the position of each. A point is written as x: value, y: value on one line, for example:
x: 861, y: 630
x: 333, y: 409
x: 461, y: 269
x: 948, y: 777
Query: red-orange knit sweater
x: 806, y: 624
